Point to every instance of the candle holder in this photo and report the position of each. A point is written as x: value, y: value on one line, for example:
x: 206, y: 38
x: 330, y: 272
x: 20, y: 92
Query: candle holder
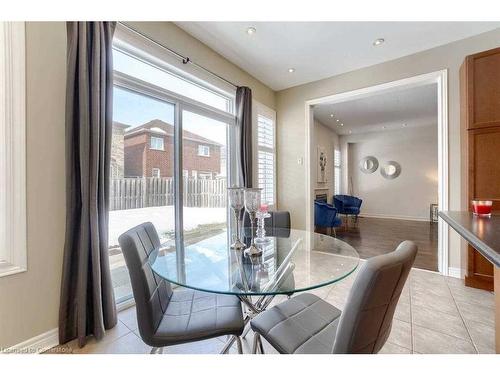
x: 237, y: 202
x: 261, y: 231
x: 252, y: 206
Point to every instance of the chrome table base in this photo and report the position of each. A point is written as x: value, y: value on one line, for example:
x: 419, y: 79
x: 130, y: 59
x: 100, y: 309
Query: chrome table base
x: 252, y: 310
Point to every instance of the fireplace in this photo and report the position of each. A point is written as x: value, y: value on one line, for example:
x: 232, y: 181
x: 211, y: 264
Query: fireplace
x: 321, y: 195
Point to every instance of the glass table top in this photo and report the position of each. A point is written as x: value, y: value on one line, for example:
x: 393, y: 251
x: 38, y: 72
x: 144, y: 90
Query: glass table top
x: 292, y: 261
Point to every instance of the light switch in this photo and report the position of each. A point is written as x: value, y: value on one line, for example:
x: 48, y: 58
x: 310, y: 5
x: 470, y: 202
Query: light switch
x: 300, y: 161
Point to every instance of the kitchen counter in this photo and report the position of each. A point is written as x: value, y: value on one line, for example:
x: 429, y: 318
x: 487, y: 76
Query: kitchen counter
x: 483, y: 233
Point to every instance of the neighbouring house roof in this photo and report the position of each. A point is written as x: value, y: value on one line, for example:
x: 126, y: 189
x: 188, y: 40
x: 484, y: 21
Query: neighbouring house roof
x: 120, y: 125
x: 161, y: 127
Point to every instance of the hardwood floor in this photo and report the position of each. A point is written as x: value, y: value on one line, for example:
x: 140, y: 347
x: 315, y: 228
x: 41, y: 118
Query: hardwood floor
x: 372, y: 237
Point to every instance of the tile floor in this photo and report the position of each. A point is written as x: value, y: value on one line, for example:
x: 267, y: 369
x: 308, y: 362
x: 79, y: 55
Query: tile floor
x: 435, y: 314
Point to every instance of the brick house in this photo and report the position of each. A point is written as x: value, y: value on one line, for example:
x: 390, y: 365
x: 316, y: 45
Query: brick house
x: 117, y: 150
x: 149, y: 152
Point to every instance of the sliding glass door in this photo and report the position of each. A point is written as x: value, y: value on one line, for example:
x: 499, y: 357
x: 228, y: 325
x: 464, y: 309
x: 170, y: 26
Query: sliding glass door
x: 170, y: 162
x: 204, y: 164
x: 142, y: 174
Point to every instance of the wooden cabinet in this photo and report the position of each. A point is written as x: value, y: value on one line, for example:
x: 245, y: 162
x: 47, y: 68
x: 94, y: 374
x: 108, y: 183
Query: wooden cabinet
x: 480, y: 120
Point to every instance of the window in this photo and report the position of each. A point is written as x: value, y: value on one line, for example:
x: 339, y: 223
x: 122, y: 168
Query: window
x: 204, y: 175
x: 336, y: 166
x: 12, y: 149
x: 203, y: 150
x: 157, y: 143
x: 266, y: 153
x: 151, y: 95
x: 156, y: 172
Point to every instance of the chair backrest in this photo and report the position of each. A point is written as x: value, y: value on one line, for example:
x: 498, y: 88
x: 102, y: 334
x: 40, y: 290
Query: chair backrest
x: 278, y: 220
x: 324, y: 214
x: 348, y: 200
x: 366, y: 320
x: 151, y: 293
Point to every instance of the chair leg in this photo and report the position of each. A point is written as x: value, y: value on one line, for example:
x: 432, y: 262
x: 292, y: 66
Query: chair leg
x: 261, y: 347
x: 238, y: 344
x: 256, y: 339
x: 156, y: 351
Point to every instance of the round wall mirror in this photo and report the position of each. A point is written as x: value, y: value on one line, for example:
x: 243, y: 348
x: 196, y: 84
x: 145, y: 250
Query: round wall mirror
x: 391, y: 170
x: 368, y: 164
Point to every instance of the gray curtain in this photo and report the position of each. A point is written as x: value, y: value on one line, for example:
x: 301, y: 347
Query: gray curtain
x: 87, y: 305
x: 244, y: 124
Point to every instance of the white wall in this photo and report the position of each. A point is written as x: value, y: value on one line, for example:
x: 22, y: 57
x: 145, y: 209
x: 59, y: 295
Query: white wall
x: 409, y: 195
x: 291, y: 120
x: 329, y: 140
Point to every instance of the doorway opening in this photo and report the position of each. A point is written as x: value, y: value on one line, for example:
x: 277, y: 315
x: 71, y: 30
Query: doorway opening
x: 390, y: 148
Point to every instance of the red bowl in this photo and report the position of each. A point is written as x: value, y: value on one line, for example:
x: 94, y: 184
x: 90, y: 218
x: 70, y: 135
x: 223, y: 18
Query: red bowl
x: 481, y: 208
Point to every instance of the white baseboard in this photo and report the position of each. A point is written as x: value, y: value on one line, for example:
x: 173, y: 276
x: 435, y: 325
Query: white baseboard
x: 455, y: 272
x: 35, y: 345
x: 382, y: 216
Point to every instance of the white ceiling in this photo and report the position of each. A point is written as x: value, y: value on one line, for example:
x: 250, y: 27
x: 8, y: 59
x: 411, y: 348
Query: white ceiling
x: 414, y: 107
x: 322, y: 49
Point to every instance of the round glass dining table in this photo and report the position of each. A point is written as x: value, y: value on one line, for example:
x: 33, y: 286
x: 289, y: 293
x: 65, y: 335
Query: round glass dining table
x: 292, y: 261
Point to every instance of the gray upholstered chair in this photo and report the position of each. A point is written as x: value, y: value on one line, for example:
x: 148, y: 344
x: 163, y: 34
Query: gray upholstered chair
x: 278, y: 224
x: 169, y: 317
x: 307, y: 324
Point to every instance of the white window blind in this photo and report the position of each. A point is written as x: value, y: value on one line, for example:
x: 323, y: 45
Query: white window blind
x: 336, y: 165
x: 266, y: 155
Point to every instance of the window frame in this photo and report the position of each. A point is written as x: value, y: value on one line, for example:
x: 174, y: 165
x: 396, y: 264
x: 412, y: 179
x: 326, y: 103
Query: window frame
x: 260, y: 109
x: 13, y: 241
x: 153, y: 174
x: 151, y: 147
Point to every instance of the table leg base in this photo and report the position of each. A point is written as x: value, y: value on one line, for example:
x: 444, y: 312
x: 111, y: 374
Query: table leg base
x: 253, y: 309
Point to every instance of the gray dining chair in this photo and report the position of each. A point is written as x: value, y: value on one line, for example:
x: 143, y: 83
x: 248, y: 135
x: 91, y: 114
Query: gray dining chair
x: 278, y: 225
x: 309, y: 325
x: 278, y: 219
x: 167, y: 316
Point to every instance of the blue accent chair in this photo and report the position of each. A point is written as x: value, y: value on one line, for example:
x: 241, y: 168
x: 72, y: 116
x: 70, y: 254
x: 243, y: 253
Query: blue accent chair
x: 325, y: 216
x: 347, y: 205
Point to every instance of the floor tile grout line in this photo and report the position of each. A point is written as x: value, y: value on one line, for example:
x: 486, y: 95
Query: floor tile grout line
x: 446, y: 334
x: 463, y: 320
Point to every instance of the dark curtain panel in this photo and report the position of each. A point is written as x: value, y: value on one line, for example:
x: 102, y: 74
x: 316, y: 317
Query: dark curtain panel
x: 87, y: 299
x: 244, y: 124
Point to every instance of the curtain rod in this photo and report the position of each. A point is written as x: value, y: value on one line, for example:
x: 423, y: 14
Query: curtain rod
x: 184, y: 59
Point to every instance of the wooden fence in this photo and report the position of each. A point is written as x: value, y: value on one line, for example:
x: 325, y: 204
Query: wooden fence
x: 128, y: 193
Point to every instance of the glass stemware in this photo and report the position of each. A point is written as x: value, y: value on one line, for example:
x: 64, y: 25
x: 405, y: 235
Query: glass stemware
x: 252, y: 205
x: 237, y: 202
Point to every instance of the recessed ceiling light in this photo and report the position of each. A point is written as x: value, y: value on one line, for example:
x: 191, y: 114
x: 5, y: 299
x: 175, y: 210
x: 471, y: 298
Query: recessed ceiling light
x: 378, y: 41
x: 350, y: 131
x: 291, y: 70
x: 337, y: 120
x: 341, y: 124
x: 251, y: 30
x: 405, y: 125
x: 331, y: 115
